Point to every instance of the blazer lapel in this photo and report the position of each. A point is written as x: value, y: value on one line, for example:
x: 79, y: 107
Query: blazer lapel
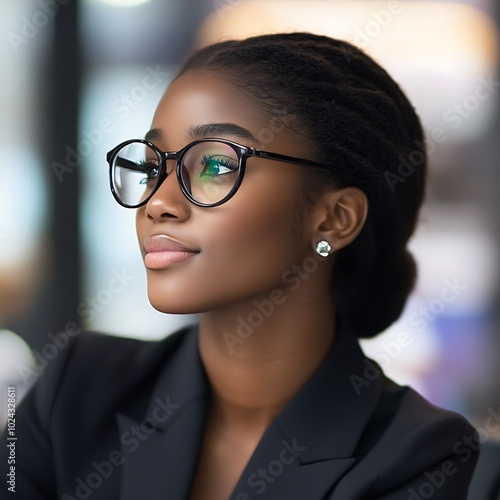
x: 277, y: 470
x: 160, y: 447
x: 307, y: 449
x: 319, y: 428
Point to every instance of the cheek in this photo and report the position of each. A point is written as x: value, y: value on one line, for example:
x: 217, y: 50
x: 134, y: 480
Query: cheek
x: 246, y: 246
x: 255, y: 241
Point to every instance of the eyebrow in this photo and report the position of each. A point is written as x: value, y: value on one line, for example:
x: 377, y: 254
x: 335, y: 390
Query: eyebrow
x: 155, y: 134
x: 221, y: 129
x: 207, y: 130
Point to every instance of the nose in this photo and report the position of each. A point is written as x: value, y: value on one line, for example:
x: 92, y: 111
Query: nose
x: 168, y: 202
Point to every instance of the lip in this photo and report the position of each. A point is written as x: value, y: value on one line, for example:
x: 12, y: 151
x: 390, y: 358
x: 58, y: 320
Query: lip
x: 161, y: 251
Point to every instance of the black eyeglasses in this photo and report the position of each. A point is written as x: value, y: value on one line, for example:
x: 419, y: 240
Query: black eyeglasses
x: 209, y: 171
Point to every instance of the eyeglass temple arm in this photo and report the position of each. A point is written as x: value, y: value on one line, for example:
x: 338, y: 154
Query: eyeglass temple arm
x: 289, y: 159
x: 130, y: 165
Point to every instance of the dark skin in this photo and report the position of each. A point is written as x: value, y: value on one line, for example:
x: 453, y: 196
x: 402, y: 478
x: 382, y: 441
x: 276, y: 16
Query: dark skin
x: 243, y: 248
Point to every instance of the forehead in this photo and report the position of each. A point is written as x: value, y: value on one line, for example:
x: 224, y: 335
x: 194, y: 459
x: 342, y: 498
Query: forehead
x: 198, y: 98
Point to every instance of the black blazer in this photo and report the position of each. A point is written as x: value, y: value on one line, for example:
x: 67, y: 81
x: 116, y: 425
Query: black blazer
x: 123, y: 419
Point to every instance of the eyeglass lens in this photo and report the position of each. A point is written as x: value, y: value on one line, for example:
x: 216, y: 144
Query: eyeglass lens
x: 209, y: 171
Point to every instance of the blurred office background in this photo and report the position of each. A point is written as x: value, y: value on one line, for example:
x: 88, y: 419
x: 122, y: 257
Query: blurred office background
x: 80, y: 77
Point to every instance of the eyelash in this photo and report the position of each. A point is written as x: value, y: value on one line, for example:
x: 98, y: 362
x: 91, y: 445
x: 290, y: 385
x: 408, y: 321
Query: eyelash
x: 226, y: 163
x: 149, y: 178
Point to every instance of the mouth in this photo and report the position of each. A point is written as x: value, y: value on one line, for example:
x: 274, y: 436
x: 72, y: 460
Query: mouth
x: 161, y: 251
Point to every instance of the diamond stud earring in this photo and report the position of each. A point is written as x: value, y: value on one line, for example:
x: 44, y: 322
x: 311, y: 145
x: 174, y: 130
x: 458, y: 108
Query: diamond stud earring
x: 323, y: 248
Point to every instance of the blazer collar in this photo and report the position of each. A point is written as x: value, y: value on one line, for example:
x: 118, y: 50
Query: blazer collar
x: 322, y: 424
x: 160, y: 462
x: 308, y: 447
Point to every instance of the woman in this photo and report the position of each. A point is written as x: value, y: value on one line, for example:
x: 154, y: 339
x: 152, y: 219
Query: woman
x: 281, y: 216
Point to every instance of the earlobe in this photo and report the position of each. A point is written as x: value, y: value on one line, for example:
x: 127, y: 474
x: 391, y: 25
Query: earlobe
x: 343, y: 215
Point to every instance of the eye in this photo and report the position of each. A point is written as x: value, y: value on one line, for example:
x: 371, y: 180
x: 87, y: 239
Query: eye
x: 151, y: 169
x: 213, y: 166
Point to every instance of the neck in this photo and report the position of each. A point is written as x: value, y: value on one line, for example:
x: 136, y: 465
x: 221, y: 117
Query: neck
x: 256, y: 364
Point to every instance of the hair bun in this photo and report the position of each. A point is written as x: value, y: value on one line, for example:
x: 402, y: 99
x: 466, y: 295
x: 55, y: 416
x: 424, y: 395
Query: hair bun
x: 377, y: 295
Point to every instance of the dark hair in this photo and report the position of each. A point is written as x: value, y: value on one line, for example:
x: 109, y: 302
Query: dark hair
x: 356, y: 118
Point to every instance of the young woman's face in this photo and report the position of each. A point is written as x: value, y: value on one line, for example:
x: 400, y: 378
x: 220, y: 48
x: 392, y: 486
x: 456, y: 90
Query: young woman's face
x: 239, y: 250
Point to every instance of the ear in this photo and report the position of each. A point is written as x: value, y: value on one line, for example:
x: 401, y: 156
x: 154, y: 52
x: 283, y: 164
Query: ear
x: 339, y: 216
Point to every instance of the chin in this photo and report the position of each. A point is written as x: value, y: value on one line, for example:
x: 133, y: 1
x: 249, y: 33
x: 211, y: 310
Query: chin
x: 166, y: 306
x: 176, y: 304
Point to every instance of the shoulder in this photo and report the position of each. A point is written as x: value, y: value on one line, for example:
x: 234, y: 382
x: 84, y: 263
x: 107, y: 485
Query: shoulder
x: 74, y: 406
x: 98, y: 367
x: 412, y: 446
x: 415, y: 422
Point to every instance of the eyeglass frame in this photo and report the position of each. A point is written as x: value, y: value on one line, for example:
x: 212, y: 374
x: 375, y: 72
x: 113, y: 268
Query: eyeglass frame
x: 243, y: 152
